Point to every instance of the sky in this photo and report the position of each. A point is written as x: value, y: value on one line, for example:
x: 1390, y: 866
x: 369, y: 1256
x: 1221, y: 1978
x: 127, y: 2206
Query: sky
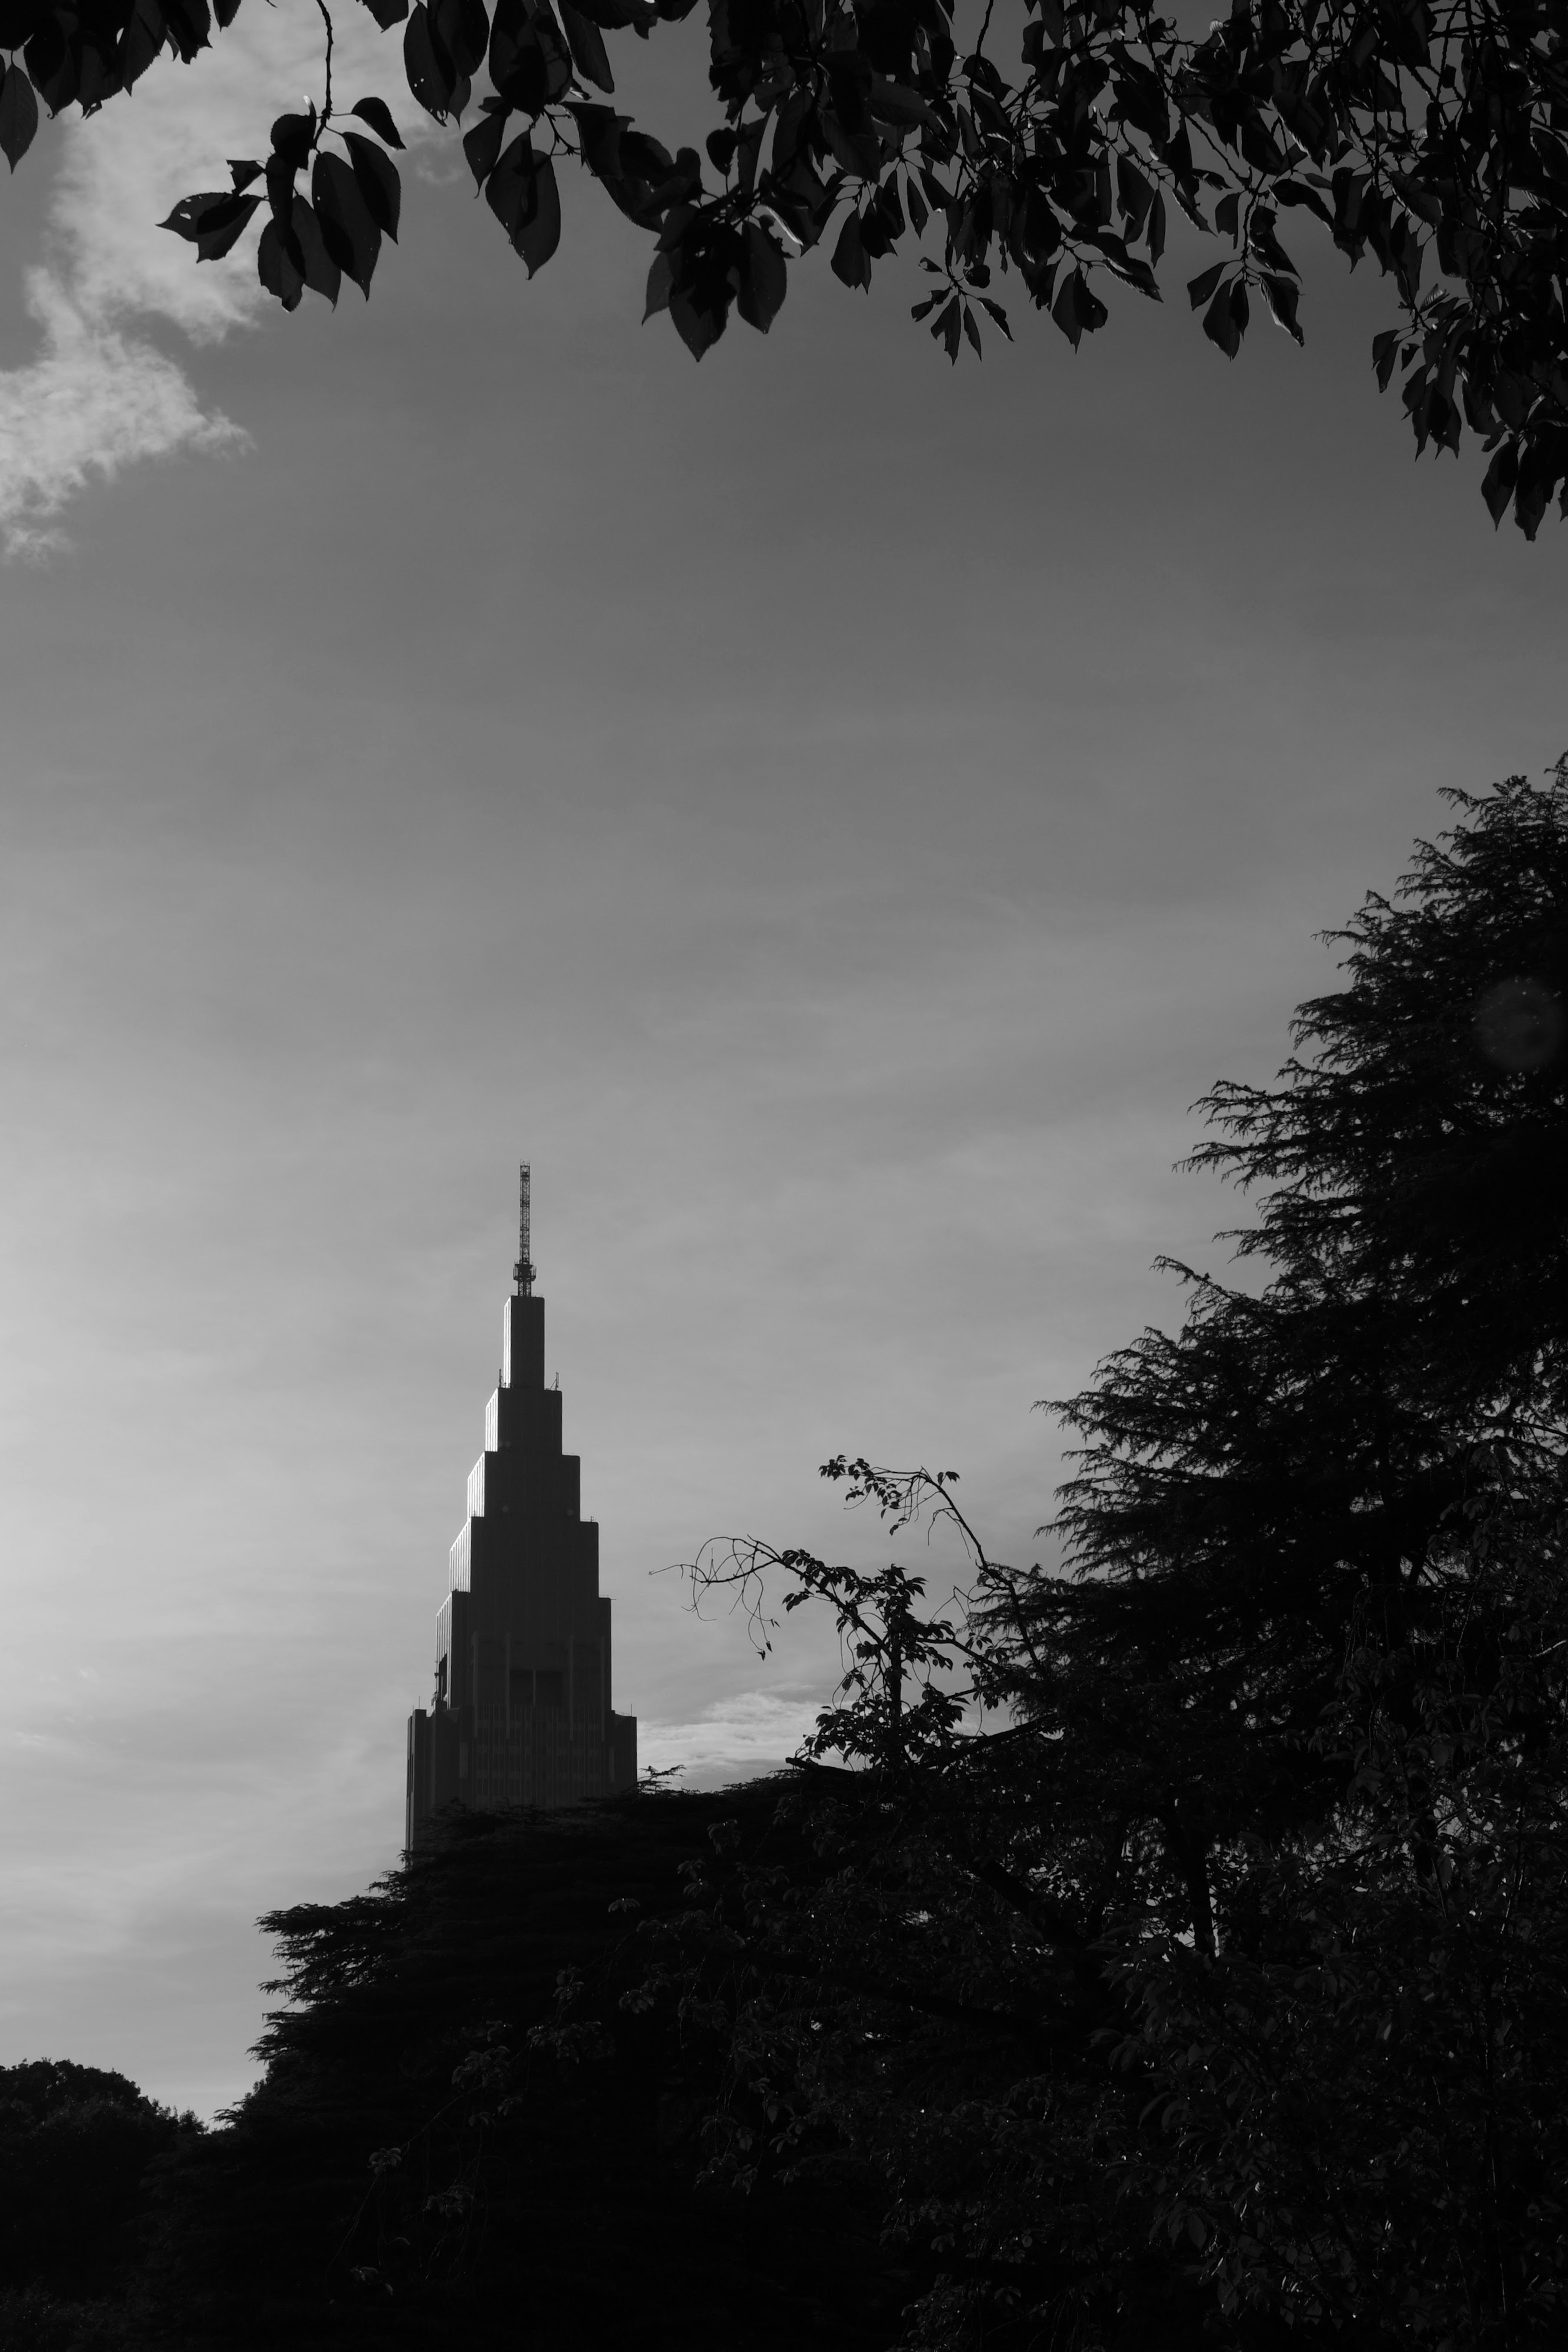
x: 832, y: 813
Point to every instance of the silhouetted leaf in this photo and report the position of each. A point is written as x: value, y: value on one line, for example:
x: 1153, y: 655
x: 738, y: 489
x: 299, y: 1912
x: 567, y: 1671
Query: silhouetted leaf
x: 482, y: 145
x: 660, y: 279
x: 1498, y: 485
x: 1220, y: 323
x: 281, y: 272
x: 292, y: 137
x: 851, y: 262
x: 699, y: 323
x: 764, y: 279
x: 308, y: 248
x: 529, y: 63
x: 18, y: 114
x: 349, y: 227
x: 1282, y: 295
x: 521, y: 192
x: 432, y: 78
x: 378, y: 114
x: 1134, y: 194
x: 1077, y: 310
x: 541, y: 233
x: 460, y: 30
x: 587, y: 46
x: 211, y: 223
x: 1201, y: 287
x: 378, y: 178
x: 510, y: 189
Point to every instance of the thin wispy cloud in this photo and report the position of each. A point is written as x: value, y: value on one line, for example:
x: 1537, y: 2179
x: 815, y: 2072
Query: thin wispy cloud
x: 100, y: 394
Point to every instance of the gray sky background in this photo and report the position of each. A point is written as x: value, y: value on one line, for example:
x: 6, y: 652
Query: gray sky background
x: 832, y: 812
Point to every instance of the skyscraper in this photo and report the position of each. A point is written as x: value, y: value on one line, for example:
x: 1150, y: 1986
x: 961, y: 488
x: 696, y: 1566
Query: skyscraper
x: 521, y: 1714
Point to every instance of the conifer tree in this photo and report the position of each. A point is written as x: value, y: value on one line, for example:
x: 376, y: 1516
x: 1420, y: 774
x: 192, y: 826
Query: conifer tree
x: 1218, y: 1985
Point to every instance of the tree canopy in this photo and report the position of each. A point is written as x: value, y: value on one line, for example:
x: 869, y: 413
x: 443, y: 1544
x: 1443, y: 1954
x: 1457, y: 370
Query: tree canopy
x: 1431, y: 135
x: 1210, y: 1987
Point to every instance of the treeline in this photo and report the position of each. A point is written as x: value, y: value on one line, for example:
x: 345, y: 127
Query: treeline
x: 1170, y: 1949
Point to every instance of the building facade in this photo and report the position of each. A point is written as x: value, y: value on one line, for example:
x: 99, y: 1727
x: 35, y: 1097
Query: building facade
x: 522, y: 1713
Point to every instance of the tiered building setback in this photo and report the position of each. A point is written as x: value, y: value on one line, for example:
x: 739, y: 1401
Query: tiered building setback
x: 521, y: 1714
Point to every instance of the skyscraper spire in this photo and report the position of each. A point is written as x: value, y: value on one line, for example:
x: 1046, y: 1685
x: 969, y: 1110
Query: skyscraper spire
x: 522, y: 1712
x: 523, y: 1272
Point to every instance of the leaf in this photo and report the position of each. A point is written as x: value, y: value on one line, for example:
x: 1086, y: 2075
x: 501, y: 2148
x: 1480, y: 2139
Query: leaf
x: 972, y: 331
x: 211, y: 223
x: 1385, y: 354
x: 1200, y: 287
x: 529, y: 64
x: 277, y: 270
x: 944, y: 328
x: 509, y: 189
x: 387, y: 12
x: 1134, y: 194
x: 1293, y: 192
x: 764, y: 279
x: 850, y: 263
x: 522, y: 194
x: 1220, y: 323
x: 750, y: 149
x: 348, y: 225
x: 378, y: 114
x: 432, y: 78
x: 699, y: 323
x: 998, y: 313
x: 292, y: 137
x: 243, y: 173
x: 1281, y: 295
x: 460, y: 31
x: 378, y: 183
x: 482, y: 145
x: 586, y: 43
x: 1157, y: 230
x: 322, y: 274
x: 1424, y: 201
x: 542, y: 234
x: 1497, y: 486
x: 661, y: 279
x: 18, y: 114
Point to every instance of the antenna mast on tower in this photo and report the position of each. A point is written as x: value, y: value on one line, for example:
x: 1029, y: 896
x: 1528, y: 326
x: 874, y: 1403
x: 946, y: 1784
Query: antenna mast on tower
x: 523, y: 1272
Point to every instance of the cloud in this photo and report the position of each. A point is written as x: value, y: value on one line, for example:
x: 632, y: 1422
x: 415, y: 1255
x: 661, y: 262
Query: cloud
x: 101, y: 395
x: 93, y: 400
x: 751, y: 1732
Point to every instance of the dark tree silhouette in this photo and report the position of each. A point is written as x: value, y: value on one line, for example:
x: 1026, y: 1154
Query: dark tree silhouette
x: 471, y: 2127
x: 77, y: 2147
x: 1207, y: 1986
x: 1429, y: 134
